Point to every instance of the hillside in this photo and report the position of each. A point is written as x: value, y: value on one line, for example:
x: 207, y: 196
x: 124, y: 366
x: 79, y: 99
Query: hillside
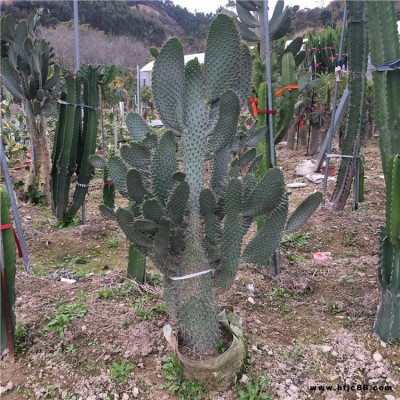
x: 121, y: 32
x: 152, y: 22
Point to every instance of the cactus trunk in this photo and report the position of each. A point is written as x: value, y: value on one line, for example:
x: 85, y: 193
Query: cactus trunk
x: 7, y: 266
x: 387, y: 323
x: 384, y: 47
x: 38, y: 183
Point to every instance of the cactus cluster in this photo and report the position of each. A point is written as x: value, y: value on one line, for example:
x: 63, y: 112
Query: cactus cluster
x: 74, y: 142
x: 322, y: 49
x: 191, y: 226
x: 7, y: 266
x: 385, y: 47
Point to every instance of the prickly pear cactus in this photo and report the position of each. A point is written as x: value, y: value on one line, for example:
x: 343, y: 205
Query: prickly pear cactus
x: 193, y: 227
x: 7, y: 266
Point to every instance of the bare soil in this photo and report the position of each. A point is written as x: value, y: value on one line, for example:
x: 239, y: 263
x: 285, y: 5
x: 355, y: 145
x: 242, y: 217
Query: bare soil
x: 311, y: 325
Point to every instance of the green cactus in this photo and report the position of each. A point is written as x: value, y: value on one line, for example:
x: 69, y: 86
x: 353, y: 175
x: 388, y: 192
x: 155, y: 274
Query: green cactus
x: 194, y: 233
x: 384, y: 47
x: 29, y: 74
x: 65, y: 146
x: 283, y: 67
x: 355, y: 123
x: 7, y: 266
x: 322, y: 49
x: 88, y: 136
x: 74, y: 143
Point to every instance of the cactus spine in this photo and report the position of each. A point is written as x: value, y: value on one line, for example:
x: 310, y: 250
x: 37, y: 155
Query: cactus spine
x: 7, y: 266
x: 25, y: 72
x: 355, y: 124
x: 384, y: 47
x: 190, y: 228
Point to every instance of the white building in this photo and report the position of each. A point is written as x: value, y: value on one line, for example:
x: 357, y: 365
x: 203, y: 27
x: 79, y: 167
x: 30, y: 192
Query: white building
x: 147, y: 71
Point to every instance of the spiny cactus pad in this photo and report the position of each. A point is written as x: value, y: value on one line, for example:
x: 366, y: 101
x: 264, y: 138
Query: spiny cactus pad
x: 303, y: 212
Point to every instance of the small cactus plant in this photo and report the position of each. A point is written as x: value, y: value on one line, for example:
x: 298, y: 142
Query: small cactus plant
x: 193, y: 227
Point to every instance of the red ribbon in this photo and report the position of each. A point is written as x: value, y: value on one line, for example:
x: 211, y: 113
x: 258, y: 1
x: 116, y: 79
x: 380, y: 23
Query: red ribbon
x: 9, y: 226
x: 255, y: 111
x: 5, y: 226
x: 299, y: 121
x: 267, y: 111
x: 108, y: 183
x: 254, y: 102
x: 288, y: 87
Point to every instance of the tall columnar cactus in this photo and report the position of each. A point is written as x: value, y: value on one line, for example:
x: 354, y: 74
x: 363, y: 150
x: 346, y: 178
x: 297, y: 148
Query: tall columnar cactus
x: 7, y: 266
x: 193, y: 228
x: 74, y: 142
x: 26, y: 67
x: 357, y: 82
x: 384, y: 47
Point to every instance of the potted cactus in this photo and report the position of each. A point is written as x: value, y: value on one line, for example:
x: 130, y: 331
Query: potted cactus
x: 189, y: 224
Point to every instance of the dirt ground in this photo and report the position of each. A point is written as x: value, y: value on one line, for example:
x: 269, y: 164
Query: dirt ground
x: 311, y: 325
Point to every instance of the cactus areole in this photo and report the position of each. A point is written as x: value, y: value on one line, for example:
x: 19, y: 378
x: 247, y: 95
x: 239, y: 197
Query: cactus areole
x: 191, y: 226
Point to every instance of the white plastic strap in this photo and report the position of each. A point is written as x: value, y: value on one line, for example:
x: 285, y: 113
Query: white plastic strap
x: 337, y: 73
x: 82, y: 184
x: 340, y: 156
x: 65, y: 103
x: 181, y: 278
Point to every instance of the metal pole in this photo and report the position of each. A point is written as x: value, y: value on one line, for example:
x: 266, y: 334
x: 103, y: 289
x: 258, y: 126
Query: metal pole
x: 330, y: 132
x: 339, y: 114
x: 269, y: 83
x: 14, y: 209
x: 138, y: 89
x: 115, y: 130
x: 76, y: 33
x: 78, y: 68
x: 357, y: 183
x: 103, y: 140
x: 270, y: 116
